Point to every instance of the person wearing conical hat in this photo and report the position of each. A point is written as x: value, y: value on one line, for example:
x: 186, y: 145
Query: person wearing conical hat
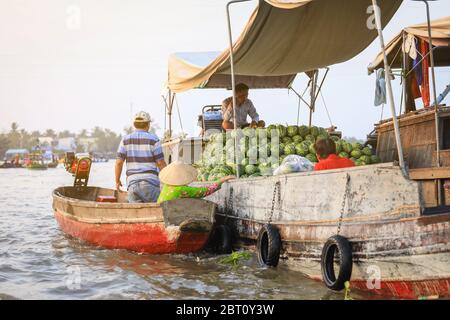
x: 176, y: 178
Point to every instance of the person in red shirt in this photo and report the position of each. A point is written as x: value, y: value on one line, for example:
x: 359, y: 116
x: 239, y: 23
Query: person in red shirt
x: 328, y: 159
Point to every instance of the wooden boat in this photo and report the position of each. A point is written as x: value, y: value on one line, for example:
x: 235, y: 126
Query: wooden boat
x: 37, y: 166
x: 392, y: 235
x: 180, y: 226
x: 397, y: 225
x: 37, y: 161
x: 10, y: 166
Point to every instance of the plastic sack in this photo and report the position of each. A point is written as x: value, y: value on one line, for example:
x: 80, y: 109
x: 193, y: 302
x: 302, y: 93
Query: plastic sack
x: 292, y: 164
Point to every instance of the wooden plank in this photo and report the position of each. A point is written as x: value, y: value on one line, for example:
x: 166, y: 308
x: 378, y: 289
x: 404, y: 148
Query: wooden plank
x: 429, y: 193
x: 445, y: 158
x: 430, y: 173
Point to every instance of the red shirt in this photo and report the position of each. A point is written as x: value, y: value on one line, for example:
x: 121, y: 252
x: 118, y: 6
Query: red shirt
x: 333, y: 162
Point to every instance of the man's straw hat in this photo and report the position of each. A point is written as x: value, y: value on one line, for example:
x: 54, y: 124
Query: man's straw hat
x: 178, y: 174
x: 142, y: 117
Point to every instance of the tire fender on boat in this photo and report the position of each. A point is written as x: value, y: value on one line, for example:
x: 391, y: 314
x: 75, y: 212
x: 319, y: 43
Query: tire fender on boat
x: 268, y: 246
x: 344, y: 251
x: 221, y: 239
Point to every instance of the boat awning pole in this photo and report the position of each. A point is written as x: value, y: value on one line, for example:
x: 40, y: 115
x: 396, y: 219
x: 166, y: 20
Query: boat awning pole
x: 169, y: 112
x: 233, y: 79
x: 387, y: 69
x: 436, y: 105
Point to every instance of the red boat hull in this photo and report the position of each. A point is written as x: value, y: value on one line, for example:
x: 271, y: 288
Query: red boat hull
x: 151, y: 238
x: 439, y: 288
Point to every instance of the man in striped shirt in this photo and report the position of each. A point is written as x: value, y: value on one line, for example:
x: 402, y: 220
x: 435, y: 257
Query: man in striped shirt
x: 144, y: 157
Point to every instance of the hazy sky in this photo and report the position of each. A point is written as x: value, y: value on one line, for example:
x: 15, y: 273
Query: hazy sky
x: 63, y: 72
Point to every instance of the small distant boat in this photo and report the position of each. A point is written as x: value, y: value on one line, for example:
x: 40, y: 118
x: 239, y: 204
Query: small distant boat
x: 37, y: 166
x: 104, y: 218
x: 37, y: 161
x: 10, y: 166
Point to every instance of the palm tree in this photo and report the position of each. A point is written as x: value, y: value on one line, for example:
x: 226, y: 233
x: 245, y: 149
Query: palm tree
x: 83, y: 133
x: 50, y: 133
x: 65, y: 134
x: 14, y: 127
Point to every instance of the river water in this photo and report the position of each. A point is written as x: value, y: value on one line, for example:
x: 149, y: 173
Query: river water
x: 37, y: 261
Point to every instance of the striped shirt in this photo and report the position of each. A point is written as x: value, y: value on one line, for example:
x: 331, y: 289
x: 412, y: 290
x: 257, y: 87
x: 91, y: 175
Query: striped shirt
x: 141, y: 150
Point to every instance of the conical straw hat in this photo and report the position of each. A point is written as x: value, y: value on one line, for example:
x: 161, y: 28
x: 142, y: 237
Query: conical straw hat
x: 178, y: 174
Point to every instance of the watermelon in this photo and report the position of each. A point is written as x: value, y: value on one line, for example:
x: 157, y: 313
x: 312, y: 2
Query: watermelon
x: 249, y: 132
x: 344, y: 155
x: 281, y: 149
x: 303, y: 131
x: 261, y: 132
x: 357, y: 145
x: 282, y: 131
x: 251, y: 169
x: 375, y: 159
x: 315, y: 131
x: 245, y: 162
x: 347, y: 147
x: 367, y: 151
x: 321, y: 137
x: 292, y: 131
x: 264, y: 150
x: 335, y: 138
x: 255, y: 175
x: 297, y: 139
x: 312, y: 157
x: 311, y: 138
x: 252, y: 153
x: 366, y: 159
x: 323, y: 132
x: 286, y: 140
x: 312, y: 149
x: 301, y: 150
x: 253, y: 142
x: 356, y: 153
x: 290, y: 149
x: 338, y: 148
x: 265, y: 169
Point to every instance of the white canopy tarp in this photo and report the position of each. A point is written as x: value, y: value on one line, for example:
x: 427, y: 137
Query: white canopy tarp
x: 284, y: 38
x: 190, y: 61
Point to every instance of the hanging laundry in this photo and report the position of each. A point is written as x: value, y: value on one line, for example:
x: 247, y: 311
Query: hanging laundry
x: 380, y: 88
x: 409, y: 46
x: 417, y: 65
x: 424, y: 48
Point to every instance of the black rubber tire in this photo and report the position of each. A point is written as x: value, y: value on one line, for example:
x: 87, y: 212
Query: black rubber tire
x: 327, y: 262
x: 220, y: 241
x: 268, y: 246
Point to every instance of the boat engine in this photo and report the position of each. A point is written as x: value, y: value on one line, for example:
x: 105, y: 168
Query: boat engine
x: 79, y: 165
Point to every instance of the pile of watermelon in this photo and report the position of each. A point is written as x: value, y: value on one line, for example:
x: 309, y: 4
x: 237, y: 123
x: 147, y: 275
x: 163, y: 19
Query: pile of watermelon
x: 261, y: 151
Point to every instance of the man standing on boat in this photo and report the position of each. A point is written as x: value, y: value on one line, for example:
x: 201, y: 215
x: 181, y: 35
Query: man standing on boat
x: 244, y: 108
x: 144, y: 157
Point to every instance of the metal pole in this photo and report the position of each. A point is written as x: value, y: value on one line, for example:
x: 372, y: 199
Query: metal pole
x: 312, y: 106
x: 436, y: 110
x: 233, y: 79
x: 169, y: 112
x: 389, y: 88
